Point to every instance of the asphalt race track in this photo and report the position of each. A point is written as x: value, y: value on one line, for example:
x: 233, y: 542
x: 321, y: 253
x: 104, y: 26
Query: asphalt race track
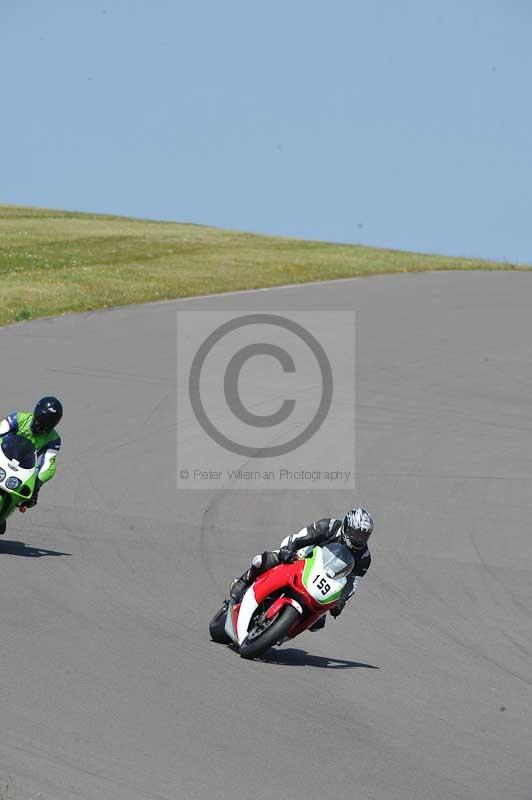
x: 110, y: 686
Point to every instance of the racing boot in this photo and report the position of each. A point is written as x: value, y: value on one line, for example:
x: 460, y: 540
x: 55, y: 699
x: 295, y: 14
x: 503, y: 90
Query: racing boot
x: 259, y: 564
x: 3, y: 526
x: 238, y: 588
x: 318, y: 625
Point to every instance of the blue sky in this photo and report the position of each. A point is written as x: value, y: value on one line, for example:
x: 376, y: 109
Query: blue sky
x: 397, y: 124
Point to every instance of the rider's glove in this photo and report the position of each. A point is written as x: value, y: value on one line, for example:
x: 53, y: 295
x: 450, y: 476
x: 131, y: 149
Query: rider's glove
x: 286, y: 555
x: 337, y: 610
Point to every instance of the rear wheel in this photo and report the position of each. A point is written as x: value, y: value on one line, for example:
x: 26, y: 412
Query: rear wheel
x: 264, y: 634
x: 217, y: 626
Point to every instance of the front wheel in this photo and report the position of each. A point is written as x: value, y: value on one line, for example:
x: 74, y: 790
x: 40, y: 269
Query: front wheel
x: 258, y: 641
x: 217, y: 626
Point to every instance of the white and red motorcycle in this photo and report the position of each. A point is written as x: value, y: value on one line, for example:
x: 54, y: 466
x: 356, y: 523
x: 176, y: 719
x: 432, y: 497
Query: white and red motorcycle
x: 284, y: 601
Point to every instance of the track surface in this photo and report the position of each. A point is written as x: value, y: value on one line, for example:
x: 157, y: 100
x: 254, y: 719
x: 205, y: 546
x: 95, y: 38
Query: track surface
x: 111, y: 688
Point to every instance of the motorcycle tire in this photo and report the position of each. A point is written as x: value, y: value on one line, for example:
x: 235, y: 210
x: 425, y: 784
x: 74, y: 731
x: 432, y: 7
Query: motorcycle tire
x: 217, y: 626
x: 272, y: 634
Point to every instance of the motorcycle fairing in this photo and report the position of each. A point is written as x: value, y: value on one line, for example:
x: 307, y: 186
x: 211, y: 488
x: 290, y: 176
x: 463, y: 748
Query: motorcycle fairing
x: 320, y: 583
x: 291, y: 577
x: 247, y: 608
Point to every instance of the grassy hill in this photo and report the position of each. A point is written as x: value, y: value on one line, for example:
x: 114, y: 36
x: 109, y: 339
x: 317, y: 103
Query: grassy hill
x: 52, y: 262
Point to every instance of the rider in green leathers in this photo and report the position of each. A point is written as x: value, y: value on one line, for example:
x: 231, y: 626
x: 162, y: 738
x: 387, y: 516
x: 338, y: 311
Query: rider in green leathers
x: 39, y: 428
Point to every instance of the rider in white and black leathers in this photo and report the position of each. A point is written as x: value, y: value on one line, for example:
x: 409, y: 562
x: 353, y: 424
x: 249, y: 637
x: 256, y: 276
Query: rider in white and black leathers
x: 353, y: 531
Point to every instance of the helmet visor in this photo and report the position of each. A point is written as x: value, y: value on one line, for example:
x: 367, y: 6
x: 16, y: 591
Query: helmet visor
x: 42, y: 424
x: 357, y: 539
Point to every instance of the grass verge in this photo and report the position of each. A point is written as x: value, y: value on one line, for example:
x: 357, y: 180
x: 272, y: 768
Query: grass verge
x: 53, y: 262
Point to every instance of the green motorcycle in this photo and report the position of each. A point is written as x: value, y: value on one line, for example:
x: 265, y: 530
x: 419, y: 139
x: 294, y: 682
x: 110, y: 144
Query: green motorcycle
x: 18, y: 473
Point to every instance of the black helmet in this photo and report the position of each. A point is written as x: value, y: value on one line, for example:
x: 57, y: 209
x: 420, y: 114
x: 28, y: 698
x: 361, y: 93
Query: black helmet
x: 47, y: 414
x: 357, y: 526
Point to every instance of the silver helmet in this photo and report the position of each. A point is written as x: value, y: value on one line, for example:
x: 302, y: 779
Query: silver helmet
x: 357, y: 527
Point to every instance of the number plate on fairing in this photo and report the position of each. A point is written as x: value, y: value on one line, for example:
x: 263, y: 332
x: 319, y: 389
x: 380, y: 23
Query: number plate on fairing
x: 325, y: 573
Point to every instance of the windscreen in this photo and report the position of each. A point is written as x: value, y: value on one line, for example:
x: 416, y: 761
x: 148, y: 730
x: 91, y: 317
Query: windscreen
x: 337, y: 559
x: 18, y: 448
